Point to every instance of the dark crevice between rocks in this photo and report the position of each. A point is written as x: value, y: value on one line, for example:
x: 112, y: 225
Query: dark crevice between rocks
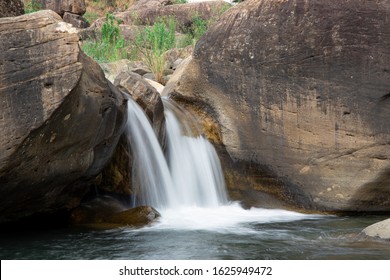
x: 385, y: 97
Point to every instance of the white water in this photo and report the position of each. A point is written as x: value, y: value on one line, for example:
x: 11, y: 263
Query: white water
x: 151, y: 176
x: 193, y: 176
x: 187, y: 185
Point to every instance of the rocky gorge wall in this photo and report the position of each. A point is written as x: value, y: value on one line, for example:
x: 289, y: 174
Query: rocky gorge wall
x: 60, y: 118
x: 298, y: 92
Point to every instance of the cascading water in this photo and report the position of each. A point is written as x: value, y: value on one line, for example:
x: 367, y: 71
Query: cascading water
x: 189, y: 175
x: 186, y: 184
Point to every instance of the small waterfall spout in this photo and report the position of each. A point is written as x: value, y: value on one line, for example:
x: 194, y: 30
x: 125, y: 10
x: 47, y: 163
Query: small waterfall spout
x: 188, y: 175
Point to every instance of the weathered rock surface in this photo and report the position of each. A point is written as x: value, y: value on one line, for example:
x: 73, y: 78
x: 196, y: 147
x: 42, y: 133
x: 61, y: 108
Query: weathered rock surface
x: 61, y: 6
x: 147, y: 13
x: 75, y: 20
x: 379, y: 230
x: 11, y: 8
x: 299, y: 91
x: 60, y: 118
x: 147, y: 97
x: 106, y: 212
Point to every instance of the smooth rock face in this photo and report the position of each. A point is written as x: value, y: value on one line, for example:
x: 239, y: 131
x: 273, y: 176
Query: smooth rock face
x: 60, y: 118
x: 379, y: 230
x: 11, y: 8
x: 300, y: 89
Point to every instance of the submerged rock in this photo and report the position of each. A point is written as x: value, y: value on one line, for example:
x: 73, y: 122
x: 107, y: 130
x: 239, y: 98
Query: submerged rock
x: 299, y: 91
x: 379, y: 230
x: 60, y: 118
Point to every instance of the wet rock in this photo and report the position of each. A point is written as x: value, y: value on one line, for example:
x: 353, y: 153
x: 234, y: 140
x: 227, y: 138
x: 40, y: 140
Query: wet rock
x: 11, y: 8
x: 300, y: 91
x: 379, y: 230
x: 61, y: 119
x: 147, y: 97
x: 106, y: 212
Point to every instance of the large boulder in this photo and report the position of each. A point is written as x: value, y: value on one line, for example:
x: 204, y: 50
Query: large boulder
x: 107, y: 212
x: 147, y: 97
x: 62, y: 6
x: 60, y: 118
x: 71, y: 11
x: 379, y: 230
x: 11, y: 8
x: 299, y: 94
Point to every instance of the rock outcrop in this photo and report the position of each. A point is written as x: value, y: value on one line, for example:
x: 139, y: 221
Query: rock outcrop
x: 60, y: 118
x: 71, y: 11
x: 147, y: 97
x: 106, y: 212
x: 62, y: 6
x: 299, y: 93
x: 379, y: 230
x: 11, y: 8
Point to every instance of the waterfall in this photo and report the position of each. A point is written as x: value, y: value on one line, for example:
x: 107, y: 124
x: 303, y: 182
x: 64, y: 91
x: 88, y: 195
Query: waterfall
x: 188, y: 175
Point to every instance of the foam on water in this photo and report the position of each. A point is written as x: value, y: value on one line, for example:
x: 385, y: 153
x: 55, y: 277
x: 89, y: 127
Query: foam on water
x: 229, y: 218
x: 186, y: 184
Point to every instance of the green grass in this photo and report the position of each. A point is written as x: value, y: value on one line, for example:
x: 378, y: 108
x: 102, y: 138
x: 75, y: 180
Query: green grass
x: 111, y: 46
x: 90, y: 17
x: 152, y: 43
x: 32, y: 6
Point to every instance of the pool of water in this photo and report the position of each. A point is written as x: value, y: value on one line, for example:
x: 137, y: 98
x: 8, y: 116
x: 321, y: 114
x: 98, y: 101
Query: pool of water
x: 228, y: 232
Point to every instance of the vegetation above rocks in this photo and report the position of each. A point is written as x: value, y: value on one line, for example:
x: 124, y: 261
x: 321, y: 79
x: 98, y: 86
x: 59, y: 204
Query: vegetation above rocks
x: 32, y: 6
x: 111, y: 46
x: 150, y: 45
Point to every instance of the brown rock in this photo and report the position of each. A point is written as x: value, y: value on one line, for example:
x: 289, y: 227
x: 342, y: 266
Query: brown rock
x: 106, y: 212
x: 147, y: 97
x: 61, y: 6
x: 11, y: 8
x: 75, y: 20
x: 300, y: 90
x: 60, y: 118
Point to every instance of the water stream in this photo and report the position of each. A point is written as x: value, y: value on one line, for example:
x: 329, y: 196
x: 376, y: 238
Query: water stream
x: 186, y: 185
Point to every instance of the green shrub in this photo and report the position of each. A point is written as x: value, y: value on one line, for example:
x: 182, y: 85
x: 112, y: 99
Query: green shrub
x: 111, y: 47
x: 199, y: 27
x: 32, y: 6
x: 90, y: 17
x: 152, y: 43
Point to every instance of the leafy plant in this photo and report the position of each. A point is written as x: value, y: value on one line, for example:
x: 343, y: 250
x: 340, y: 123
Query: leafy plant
x: 90, y: 17
x: 32, y: 6
x: 199, y: 27
x: 111, y: 46
x: 194, y: 32
x: 153, y: 42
